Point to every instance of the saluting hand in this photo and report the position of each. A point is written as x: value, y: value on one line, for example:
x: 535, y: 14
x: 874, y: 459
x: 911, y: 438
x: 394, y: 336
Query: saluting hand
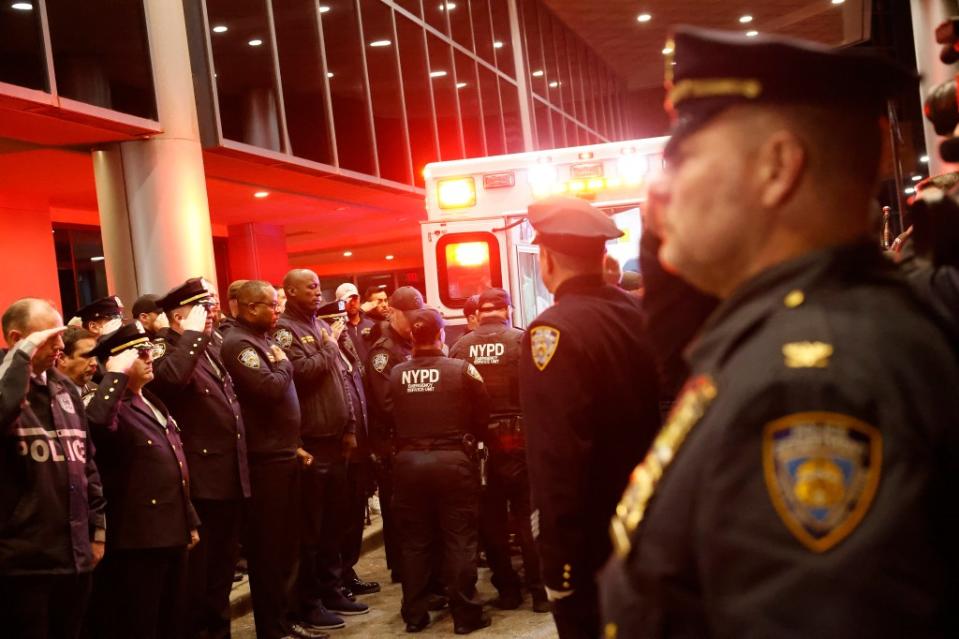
x: 122, y: 362
x: 195, y: 320
x: 39, y: 338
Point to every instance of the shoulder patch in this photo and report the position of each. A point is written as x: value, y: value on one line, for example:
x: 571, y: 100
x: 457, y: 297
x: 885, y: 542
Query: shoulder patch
x: 66, y: 403
x: 543, y: 341
x: 807, y: 354
x: 379, y: 361
x: 249, y: 358
x: 472, y: 372
x: 366, y: 331
x: 284, y: 338
x: 822, y: 470
x: 159, y: 349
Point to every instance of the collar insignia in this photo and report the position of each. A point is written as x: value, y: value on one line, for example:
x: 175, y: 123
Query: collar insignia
x: 543, y: 341
x: 807, y: 354
x: 822, y: 471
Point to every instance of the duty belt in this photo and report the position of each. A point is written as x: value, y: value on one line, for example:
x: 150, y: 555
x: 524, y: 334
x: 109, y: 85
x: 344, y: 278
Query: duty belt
x: 507, y: 433
x: 430, y: 443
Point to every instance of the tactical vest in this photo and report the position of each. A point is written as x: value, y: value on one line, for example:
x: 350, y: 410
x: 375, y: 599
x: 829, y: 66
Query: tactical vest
x: 496, y: 356
x: 429, y: 398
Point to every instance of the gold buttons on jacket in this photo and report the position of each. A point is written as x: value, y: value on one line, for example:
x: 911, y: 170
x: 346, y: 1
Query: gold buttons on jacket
x: 204, y: 451
x: 794, y: 298
x: 153, y: 501
x: 149, y: 442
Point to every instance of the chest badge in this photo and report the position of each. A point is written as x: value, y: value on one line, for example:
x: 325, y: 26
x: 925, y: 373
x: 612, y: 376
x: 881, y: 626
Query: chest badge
x: 696, y: 396
x: 379, y: 361
x: 159, y: 349
x: 249, y: 358
x: 284, y: 338
x: 807, y: 354
x: 821, y: 471
x: 543, y: 341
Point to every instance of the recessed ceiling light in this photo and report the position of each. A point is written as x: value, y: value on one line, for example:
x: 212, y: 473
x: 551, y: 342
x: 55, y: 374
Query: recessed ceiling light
x: 667, y: 50
x: 644, y: 17
x: 909, y: 190
x: 22, y: 6
x: 461, y: 85
x: 752, y: 34
x: 380, y: 43
x: 438, y: 74
x: 220, y: 28
x: 324, y: 8
x: 553, y: 84
x: 347, y: 253
x: 255, y: 42
x: 916, y: 178
x: 261, y: 194
x: 497, y: 44
x: 329, y: 74
x: 538, y: 73
x: 924, y: 159
x: 96, y: 258
x: 389, y: 257
x: 838, y: 1
x: 447, y: 6
x: 745, y: 19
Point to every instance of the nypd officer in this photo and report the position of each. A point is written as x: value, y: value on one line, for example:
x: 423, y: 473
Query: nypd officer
x: 100, y: 316
x: 191, y: 379
x: 588, y: 390
x: 494, y: 349
x: 440, y: 407
x: 803, y: 485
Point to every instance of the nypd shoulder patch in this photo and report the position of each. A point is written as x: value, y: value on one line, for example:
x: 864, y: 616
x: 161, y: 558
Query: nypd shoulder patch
x: 822, y: 470
x: 472, y: 372
x: 284, y: 338
x: 379, y: 361
x: 159, y: 349
x: 249, y: 358
x: 66, y: 403
x: 543, y: 341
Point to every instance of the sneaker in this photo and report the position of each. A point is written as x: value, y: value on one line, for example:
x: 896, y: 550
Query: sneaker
x: 343, y: 606
x: 306, y: 631
x: 320, y: 617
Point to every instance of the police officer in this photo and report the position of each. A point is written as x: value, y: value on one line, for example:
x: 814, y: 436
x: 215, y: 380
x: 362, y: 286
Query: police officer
x: 802, y: 485
x: 146, y: 310
x: 588, y: 390
x: 51, y: 502
x: 192, y: 380
x: 437, y: 402
x: 393, y: 347
x: 494, y: 349
x: 74, y: 362
x: 140, y: 589
x: 263, y: 377
x: 100, y: 316
x: 328, y: 434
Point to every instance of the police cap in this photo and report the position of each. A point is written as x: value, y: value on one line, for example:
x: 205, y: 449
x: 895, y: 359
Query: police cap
x: 494, y: 298
x: 425, y: 324
x: 332, y: 310
x: 471, y: 305
x: 571, y: 225
x: 190, y: 292
x: 406, y: 298
x: 148, y: 303
x: 714, y: 70
x: 110, y: 306
x: 127, y: 336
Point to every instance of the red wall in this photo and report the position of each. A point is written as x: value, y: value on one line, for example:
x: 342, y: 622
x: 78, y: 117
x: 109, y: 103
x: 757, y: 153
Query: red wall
x: 29, y: 260
x: 257, y: 252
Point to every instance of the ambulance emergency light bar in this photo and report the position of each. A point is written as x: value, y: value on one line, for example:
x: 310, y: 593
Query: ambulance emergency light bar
x: 585, y: 176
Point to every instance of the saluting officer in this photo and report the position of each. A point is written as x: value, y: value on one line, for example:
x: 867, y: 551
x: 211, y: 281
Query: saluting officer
x: 191, y: 379
x: 438, y: 402
x: 141, y: 591
x: 100, y: 316
x: 393, y: 347
x: 494, y: 349
x: 804, y: 482
x: 588, y: 390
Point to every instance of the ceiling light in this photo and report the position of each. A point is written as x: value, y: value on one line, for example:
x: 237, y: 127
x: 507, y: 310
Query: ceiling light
x: 447, y: 6
x: 916, y: 178
x: 745, y: 19
x: 389, y: 257
x: 538, y: 73
x: 380, y: 43
x: 220, y: 28
x: 497, y: 44
x: 261, y: 194
x: 838, y: 1
x: 924, y: 159
x: 461, y: 85
x: 667, y: 50
x: 910, y: 190
x: 752, y: 34
x: 553, y: 84
x: 438, y: 74
x: 347, y: 253
x: 329, y: 74
x: 98, y: 258
x: 255, y: 42
x: 22, y: 6
x: 644, y: 17
x: 324, y: 8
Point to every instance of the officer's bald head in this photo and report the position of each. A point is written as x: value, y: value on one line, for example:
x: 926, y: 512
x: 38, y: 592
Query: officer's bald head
x: 26, y: 316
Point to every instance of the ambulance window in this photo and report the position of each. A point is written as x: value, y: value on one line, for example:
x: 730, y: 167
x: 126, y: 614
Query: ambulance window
x: 468, y: 264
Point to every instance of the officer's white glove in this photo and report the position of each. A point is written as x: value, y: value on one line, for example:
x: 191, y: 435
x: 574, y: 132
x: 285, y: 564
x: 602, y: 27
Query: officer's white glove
x: 195, y: 320
x: 556, y: 595
x: 122, y: 362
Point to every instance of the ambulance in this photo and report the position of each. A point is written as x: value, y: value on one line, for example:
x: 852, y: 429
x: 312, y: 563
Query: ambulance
x: 476, y: 235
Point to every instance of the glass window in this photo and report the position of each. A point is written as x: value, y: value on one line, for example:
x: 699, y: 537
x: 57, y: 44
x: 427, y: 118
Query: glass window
x: 467, y: 88
x: 413, y: 6
x: 502, y: 40
x: 22, y: 59
x: 467, y: 264
x: 552, y: 77
x: 443, y: 80
x: 511, y: 121
x: 565, y: 49
x: 301, y: 72
x: 581, y: 85
x: 492, y: 112
x: 243, y: 69
x: 388, y: 122
x: 461, y: 24
x: 612, y: 125
x: 483, y: 30
x: 534, y: 297
x: 544, y: 126
x: 534, y: 48
x: 572, y: 132
x: 101, y: 54
x: 416, y: 91
x: 559, y: 129
x: 597, y: 89
x: 80, y: 266
x: 344, y: 60
x: 435, y: 12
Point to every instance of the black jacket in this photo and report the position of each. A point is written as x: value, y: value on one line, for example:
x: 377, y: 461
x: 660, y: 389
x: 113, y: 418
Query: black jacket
x: 145, y: 477
x: 319, y: 374
x: 51, y: 499
x: 190, y: 378
x: 494, y: 348
x: 387, y: 351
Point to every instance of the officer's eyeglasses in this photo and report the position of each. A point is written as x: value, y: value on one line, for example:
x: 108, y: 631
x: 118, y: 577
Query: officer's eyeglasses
x: 270, y: 305
x: 144, y: 350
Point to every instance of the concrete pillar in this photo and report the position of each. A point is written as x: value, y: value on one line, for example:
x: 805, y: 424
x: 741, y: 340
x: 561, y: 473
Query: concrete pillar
x: 154, y: 213
x: 258, y: 252
x: 926, y: 16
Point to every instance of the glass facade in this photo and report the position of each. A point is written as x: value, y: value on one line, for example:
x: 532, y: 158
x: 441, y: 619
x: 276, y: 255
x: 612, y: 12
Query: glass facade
x: 382, y: 87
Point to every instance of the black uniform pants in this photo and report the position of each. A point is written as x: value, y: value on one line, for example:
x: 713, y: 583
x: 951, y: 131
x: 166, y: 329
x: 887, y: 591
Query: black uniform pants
x: 577, y: 616
x: 436, y: 506
x: 359, y: 479
x: 212, y: 562
x: 273, y: 536
x: 506, y: 497
x: 324, y: 501
x: 383, y: 470
x: 43, y: 606
x: 141, y: 594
